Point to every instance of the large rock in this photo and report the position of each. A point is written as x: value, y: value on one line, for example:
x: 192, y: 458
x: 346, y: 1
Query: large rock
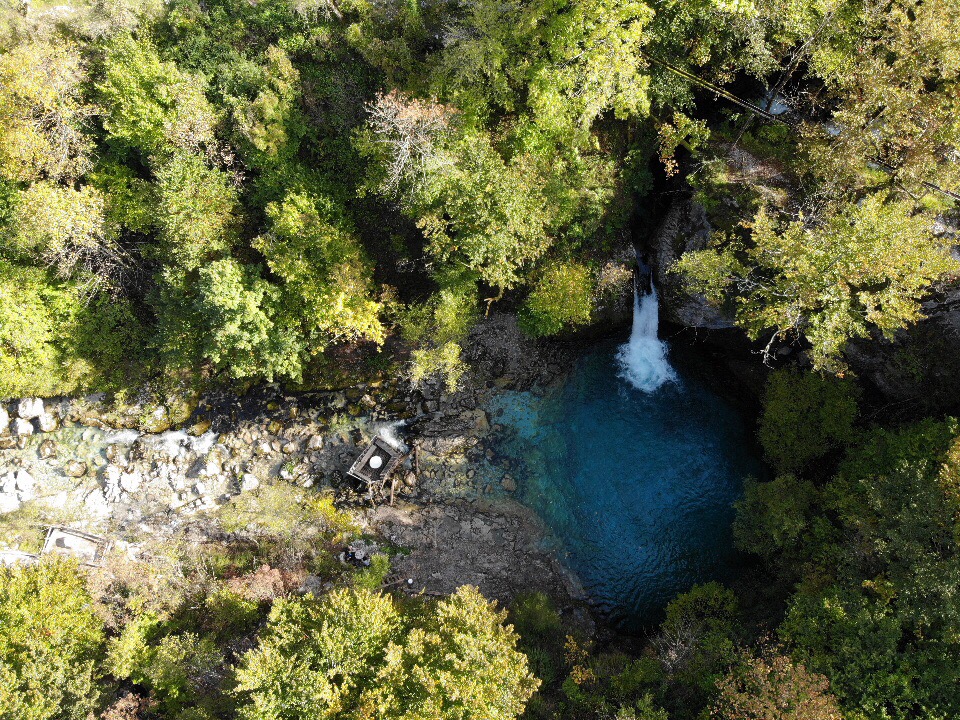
x: 76, y: 468
x: 30, y: 408
x: 48, y: 422
x: 684, y: 228
x: 4, y: 420
x: 130, y: 481
x: 25, y: 482
x: 22, y: 427
x: 8, y: 502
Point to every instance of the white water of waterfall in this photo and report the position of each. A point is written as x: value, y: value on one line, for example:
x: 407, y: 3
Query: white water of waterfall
x: 643, y: 359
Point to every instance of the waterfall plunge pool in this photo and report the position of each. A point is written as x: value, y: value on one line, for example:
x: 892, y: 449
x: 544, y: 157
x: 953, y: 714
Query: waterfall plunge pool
x: 634, y: 467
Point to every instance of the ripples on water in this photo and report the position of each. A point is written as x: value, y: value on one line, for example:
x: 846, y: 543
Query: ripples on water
x: 637, y: 487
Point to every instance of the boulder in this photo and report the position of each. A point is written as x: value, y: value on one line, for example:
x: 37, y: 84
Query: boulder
x: 249, y: 482
x: 30, y: 408
x: 75, y: 468
x: 48, y: 422
x: 8, y: 503
x: 508, y: 483
x: 47, y: 449
x: 684, y: 228
x: 130, y: 481
x: 22, y: 427
x: 25, y: 482
x: 4, y: 420
x: 111, y: 475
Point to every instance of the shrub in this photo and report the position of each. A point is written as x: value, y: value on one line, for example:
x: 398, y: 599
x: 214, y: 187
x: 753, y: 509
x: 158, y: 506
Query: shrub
x: 561, y: 297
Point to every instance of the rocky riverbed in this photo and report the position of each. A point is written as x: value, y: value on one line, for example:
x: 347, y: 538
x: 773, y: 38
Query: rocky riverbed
x: 82, y: 463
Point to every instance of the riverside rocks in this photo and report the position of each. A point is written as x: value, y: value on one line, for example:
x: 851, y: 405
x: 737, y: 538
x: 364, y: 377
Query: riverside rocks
x: 30, y: 408
x: 102, y: 475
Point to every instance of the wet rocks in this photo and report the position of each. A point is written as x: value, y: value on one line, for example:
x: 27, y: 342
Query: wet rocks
x: 508, y: 483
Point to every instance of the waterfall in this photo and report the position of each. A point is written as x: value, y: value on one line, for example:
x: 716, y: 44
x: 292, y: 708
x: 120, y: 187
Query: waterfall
x: 643, y: 359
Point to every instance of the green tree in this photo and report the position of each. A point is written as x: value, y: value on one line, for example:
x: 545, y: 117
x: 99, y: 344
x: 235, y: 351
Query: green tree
x: 197, y: 211
x: 43, y: 112
x: 562, y: 296
x: 352, y: 654
x: 317, y: 657
x: 238, y: 327
x: 149, y: 105
x: 172, y: 666
x: 51, y: 643
x: 877, y: 612
x: 461, y: 663
x: 864, y: 267
x: 327, y: 277
x: 436, y: 330
x: 66, y: 229
x: 805, y: 416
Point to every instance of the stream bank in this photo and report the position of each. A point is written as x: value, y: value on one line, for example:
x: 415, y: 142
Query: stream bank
x: 453, y: 520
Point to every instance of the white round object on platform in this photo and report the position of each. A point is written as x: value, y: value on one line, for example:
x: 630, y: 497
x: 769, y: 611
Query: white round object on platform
x: 376, y: 461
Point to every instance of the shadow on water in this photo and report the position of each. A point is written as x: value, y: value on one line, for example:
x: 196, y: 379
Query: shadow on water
x: 637, y: 487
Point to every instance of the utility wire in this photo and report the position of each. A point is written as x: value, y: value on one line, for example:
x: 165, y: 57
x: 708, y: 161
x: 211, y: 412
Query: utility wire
x: 756, y: 110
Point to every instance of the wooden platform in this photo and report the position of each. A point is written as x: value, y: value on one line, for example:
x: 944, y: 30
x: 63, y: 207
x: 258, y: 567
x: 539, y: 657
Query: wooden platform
x: 376, y: 463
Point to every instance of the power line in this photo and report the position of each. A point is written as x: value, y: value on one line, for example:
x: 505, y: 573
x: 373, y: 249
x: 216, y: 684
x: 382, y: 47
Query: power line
x: 756, y: 110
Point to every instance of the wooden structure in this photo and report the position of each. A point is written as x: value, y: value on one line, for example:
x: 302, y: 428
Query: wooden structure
x: 88, y: 549
x: 376, y: 464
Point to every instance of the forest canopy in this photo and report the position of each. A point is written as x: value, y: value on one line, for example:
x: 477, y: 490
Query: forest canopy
x: 236, y: 189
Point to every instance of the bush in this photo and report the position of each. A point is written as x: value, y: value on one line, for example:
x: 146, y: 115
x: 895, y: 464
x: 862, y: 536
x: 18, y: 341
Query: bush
x: 561, y: 297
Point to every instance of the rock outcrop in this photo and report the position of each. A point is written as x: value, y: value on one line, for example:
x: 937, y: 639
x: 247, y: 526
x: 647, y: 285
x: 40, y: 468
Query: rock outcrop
x: 685, y: 227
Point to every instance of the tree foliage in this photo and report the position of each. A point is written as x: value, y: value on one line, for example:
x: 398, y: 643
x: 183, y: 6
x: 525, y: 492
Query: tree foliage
x: 51, y: 644
x: 351, y: 653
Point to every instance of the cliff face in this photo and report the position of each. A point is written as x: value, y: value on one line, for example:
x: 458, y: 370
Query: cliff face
x: 913, y: 374
x: 684, y: 227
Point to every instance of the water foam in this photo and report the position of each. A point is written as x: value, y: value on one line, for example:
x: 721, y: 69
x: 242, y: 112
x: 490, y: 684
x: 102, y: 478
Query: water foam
x: 643, y: 359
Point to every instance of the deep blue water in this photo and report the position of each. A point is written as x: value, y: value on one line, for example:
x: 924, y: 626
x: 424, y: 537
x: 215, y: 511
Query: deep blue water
x: 636, y: 487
